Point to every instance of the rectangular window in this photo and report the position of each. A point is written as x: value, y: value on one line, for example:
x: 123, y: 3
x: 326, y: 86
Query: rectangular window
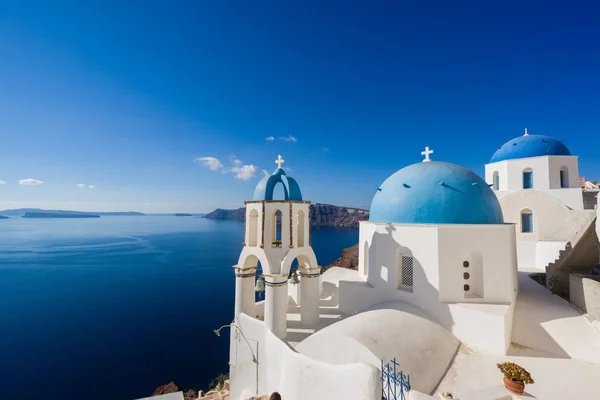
x: 562, y: 179
x: 527, y: 222
x: 407, y: 271
x: 528, y: 180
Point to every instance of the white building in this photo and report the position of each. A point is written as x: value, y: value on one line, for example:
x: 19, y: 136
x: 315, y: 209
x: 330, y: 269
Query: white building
x: 536, y: 179
x: 437, y: 290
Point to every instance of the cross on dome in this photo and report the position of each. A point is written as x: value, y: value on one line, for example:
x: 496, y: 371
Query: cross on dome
x: 426, y: 153
x: 526, y: 134
x: 279, y: 161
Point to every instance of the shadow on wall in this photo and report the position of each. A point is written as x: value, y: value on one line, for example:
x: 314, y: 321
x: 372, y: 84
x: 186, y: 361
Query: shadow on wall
x: 534, y: 308
x: 387, y: 279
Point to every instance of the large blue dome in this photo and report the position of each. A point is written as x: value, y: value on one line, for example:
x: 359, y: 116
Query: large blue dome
x: 530, y: 146
x: 435, y: 193
x: 265, y: 188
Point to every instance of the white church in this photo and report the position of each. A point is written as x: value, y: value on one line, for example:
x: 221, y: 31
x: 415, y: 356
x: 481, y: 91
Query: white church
x: 444, y: 285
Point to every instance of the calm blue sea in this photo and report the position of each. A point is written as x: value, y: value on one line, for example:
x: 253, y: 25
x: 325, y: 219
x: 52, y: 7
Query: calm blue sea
x: 111, y: 308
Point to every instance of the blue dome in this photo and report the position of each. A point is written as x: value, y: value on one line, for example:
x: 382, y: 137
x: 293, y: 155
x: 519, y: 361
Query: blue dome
x: 435, y: 193
x: 530, y: 146
x: 264, y: 189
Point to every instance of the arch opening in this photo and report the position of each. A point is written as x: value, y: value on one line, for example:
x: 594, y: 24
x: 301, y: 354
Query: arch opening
x: 300, y: 223
x: 527, y: 221
x: 564, y: 177
x: 527, y: 178
x: 496, y: 180
x: 253, y: 228
x: 277, y: 219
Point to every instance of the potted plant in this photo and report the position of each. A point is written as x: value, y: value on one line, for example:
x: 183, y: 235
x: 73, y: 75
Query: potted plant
x: 515, y: 377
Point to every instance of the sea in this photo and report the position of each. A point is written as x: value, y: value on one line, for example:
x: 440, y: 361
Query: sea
x: 113, y: 307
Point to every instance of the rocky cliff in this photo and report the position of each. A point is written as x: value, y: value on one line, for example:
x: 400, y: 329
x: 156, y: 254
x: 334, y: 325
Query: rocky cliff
x: 320, y: 215
x: 349, y: 259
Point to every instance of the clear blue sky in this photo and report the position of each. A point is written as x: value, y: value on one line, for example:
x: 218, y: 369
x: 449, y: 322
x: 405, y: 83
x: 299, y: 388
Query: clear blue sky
x: 125, y: 95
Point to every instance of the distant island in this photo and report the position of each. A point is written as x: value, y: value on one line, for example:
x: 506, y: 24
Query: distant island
x: 21, y: 212
x: 58, y: 215
x: 183, y: 215
x: 3, y: 217
x: 321, y: 215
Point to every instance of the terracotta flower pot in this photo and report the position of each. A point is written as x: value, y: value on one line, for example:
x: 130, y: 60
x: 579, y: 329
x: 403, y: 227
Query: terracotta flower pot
x: 516, y: 387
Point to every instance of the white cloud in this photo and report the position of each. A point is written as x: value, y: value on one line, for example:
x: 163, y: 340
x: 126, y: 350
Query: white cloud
x: 2, y: 183
x: 289, y: 138
x: 30, y: 182
x: 237, y: 162
x: 211, y: 162
x: 265, y: 173
x: 245, y: 172
x: 92, y: 187
x: 80, y: 185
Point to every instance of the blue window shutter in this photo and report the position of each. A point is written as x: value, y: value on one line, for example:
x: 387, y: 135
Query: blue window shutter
x: 526, y: 222
x: 528, y: 180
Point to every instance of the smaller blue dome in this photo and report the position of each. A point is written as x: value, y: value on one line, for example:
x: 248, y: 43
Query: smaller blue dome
x: 266, y: 186
x: 530, y: 146
x: 435, y: 193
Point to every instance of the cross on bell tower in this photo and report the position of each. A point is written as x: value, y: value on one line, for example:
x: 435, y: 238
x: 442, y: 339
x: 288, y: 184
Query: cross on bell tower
x: 426, y: 153
x: 279, y: 161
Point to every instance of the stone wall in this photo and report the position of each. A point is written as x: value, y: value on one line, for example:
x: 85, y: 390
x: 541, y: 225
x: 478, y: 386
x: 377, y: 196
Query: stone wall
x: 585, y: 293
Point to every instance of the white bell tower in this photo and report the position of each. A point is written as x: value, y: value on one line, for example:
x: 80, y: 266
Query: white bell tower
x: 277, y: 232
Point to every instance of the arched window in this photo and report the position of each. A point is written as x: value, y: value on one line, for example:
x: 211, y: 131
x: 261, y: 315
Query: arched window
x: 564, y: 177
x: 496, y: 180
x: 527, y: 221
x: 527, y: 178
x: 276, y: 231
x: 253, y: 228
x: 300, y: 233
x: 404, y: 269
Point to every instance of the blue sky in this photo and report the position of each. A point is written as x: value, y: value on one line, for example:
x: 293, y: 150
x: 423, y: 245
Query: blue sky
x: 127, y: 96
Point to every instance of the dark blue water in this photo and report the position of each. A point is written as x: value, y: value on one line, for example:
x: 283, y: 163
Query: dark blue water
x: 111, y: 308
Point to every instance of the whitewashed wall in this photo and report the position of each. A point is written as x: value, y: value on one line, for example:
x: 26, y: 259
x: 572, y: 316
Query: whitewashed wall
x: 496, y: 246
x: 439, y: 251
x: 546, y: 177
x: 553, y: 221
x: 294, y: 375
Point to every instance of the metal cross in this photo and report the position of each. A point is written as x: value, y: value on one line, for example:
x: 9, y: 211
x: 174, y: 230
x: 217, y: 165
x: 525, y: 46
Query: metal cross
x: 279, y: 161
x: 526, y: 134
x: 426, y: 153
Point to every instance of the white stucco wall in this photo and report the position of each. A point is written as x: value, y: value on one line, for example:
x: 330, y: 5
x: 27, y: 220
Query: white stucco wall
x: 496, y: 247
x: 553, y: 223
x: 438, y: 275
x: 546, y: 177
x: 547, y: 252
x: 295, y: 376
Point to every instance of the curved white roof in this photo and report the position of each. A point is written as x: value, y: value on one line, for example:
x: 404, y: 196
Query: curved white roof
x: 422, y: 348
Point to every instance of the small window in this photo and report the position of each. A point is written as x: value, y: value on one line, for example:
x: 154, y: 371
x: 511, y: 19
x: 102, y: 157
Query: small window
x: 466, y: 288
x: 496, y: 183
x: 407, y: 271
x: 466, y: 275
x: 564, y: 177
x: 528, y: 179
x: 465, y: 264
x: 527, y: 222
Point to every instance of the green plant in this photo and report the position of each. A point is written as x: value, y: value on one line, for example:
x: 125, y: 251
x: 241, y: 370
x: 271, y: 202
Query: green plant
x: 515, y: 372
x: 217, y: 383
